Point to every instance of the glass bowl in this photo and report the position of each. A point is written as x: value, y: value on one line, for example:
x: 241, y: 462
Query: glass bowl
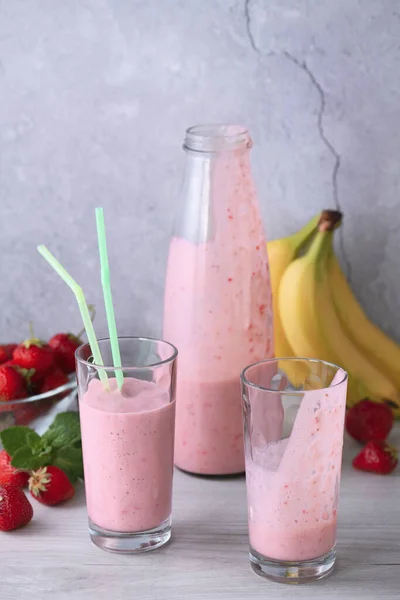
x: 38, y: 412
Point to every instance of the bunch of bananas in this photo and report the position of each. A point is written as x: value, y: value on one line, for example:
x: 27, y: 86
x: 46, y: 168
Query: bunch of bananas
x: 316, y: 314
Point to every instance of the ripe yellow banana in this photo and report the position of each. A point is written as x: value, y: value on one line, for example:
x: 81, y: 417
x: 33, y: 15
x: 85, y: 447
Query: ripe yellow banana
x: 312, y: 326
x: 280, y: 254
x: 298, y: 309
x: 379, y: 348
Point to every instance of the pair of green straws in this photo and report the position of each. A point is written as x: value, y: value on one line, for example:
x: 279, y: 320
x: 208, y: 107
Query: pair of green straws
x: 80, y: 297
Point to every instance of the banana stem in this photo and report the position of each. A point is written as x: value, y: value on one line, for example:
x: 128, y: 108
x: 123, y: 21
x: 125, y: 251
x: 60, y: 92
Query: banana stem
x: 327, y: 220
x: 330, y: 220
x: 301, y: 237
x: 320, y: 248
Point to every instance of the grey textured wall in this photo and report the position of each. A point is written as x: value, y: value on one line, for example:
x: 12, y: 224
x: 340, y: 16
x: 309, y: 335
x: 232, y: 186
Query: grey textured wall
x: 95, y: 96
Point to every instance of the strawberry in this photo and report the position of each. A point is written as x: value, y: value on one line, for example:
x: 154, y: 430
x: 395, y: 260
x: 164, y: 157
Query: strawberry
x: 10, y: 363
x: 376, y: 457
x: 54, y: 379
x: 64, y: 346
x: 12, y: 384
x: 15, y: 508
x: 9, y: 474
x: 34, y: 354
x: 6, y: 351
x: 50, y: 485
x: 369, y: 420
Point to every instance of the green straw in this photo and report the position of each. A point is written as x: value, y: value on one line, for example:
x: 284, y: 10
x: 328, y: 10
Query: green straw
x: 105, y: 282
x: 80, y: 297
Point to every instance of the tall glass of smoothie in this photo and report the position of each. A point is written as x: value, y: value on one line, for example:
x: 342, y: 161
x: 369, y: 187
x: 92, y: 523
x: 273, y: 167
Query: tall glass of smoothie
x: 293, y: 448
x: 217, y: 307
x: 128, y: 443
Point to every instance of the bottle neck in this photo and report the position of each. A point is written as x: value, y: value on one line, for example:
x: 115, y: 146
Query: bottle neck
x: 216, y: 138
x: 217, y: 183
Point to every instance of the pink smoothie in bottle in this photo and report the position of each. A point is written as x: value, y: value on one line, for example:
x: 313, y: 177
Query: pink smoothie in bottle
x: 293, y: 483
x: 127, y: 441
x: 217, y: 308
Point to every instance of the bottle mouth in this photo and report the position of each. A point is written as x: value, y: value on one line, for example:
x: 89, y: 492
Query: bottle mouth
x: 215, y: 138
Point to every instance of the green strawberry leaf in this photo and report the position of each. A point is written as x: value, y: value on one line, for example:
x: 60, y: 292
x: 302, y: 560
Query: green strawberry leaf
x: 64, y: 431
x: 69, y: 459
x: 26, y: 373
x: 15, y: 438
x: 34, y: 442
x: 25, y: 459
x: 59, y: 446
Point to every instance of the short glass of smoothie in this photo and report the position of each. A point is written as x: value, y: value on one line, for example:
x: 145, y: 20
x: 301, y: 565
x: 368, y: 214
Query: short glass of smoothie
x: 293, y: 433
x: 128, y: 443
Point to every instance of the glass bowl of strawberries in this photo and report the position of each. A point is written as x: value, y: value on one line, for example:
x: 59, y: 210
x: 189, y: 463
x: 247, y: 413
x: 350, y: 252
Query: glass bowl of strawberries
x: 37, y: 380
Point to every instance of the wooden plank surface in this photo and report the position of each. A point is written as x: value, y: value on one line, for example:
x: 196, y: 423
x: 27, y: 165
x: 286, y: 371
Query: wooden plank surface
x: 207, y: 557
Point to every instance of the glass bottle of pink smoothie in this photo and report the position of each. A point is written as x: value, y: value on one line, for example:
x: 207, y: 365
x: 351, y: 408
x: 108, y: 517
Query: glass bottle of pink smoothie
x: 217, y: 308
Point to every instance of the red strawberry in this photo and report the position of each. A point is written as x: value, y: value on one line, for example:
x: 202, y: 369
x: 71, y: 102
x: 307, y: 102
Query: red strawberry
x: 34, y: 354
x: 54, y: 379
x: 50, y: 485
x: 10, y: 363
x: 64, y: 346
x: 35, y: 382
x: 15, y: 508
x: 369, y: 420
x: 3, y: 355
x: 9, y: 474
x: 12, y: 384
x: 6, y: 352
x: 376, y: 457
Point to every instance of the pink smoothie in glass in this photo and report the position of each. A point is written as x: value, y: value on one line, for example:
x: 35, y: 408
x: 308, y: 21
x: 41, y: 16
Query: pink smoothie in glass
x: 293, y: 483
x: 217, y: 311
x: 127, y: 441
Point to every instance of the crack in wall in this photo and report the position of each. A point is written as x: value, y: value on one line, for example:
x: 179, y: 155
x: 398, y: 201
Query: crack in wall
x: 320, y: 123
x: 303, y: 66
x: 328, y: 144
x: 247, y: 17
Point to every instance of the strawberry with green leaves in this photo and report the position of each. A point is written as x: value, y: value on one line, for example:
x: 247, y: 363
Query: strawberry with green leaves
x: 34, y: 354
x: 9, y: 474
x: 12, y: 383
x: 376, y: 457
x: 15, y: 508
x: 50, y: 486
x: 59, y: 446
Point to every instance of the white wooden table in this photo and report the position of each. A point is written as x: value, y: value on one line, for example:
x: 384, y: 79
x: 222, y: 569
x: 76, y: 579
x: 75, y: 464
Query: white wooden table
x: 53, y: 557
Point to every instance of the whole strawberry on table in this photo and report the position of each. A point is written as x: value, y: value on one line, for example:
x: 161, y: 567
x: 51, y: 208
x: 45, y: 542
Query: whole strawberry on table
x: 49, y: 464
x: 370, y: 423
